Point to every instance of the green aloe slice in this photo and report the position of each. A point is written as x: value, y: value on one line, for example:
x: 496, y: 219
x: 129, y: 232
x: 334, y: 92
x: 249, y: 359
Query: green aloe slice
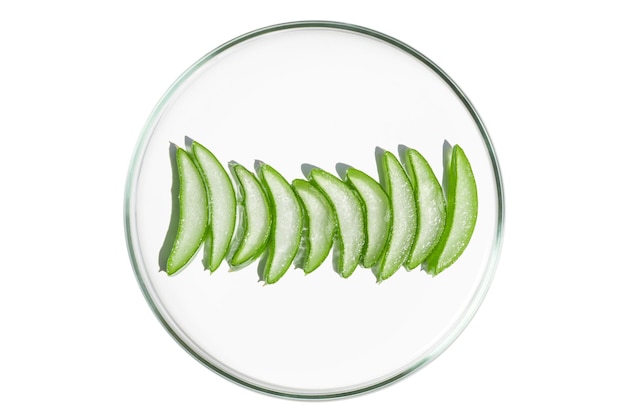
x: 403, y: 225
x: 319, y: 226
x: 286, y: 224
x: 193, y: 218
x: 255, y: 221
x: 222, y: 206
x: 431, y: 206
x: 350, y: 237
x: 377, y: 214
x: 462, y: 212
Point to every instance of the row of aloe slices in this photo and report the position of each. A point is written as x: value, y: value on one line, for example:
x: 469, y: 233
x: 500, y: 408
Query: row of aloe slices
x: 405, y: 219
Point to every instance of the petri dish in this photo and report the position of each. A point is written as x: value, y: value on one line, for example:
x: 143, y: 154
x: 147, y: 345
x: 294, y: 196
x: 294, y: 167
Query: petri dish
x: 311, y: 93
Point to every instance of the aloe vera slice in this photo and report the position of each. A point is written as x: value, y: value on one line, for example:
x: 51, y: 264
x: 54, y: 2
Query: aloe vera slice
x: 255, y: 222
x: 319, y: 226
x: 403, y: 225
x: 431, y: 207
x: 350, y: 237
x: 462, y: 212
x: 286, y: 223
x: 193, y: 218
x: 222, y: 206
x: 377, y: 214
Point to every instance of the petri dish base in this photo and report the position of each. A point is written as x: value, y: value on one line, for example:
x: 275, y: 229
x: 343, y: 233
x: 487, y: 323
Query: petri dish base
x: 318, y: 93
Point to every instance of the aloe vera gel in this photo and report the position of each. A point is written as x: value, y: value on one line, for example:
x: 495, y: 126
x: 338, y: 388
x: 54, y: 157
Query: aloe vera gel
x: 286, y: 223
x: 405, y: 219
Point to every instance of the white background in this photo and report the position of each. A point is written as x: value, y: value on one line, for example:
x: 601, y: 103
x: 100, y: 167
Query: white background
x: 79, y: 79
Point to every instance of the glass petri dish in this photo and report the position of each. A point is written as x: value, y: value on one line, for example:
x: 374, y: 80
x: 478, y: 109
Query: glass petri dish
x: 319, y: 93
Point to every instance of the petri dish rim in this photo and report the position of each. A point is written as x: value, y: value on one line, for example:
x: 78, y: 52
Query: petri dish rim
x: 130, y: 203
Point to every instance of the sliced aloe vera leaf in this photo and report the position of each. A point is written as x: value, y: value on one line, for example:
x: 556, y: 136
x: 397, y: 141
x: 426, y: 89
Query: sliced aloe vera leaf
x: 193, y: 218
x: 286, y: 230
x: 431, y: 206
x: 318, y: 229
x: 403, y: 225
x: 462, y: 211
x: 377, y: 211
x: 255, y: 222
x: 350, y: 237
x: 222, y: 206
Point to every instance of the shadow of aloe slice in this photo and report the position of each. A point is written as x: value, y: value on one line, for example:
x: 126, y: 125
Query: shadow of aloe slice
x: 170, y: 236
